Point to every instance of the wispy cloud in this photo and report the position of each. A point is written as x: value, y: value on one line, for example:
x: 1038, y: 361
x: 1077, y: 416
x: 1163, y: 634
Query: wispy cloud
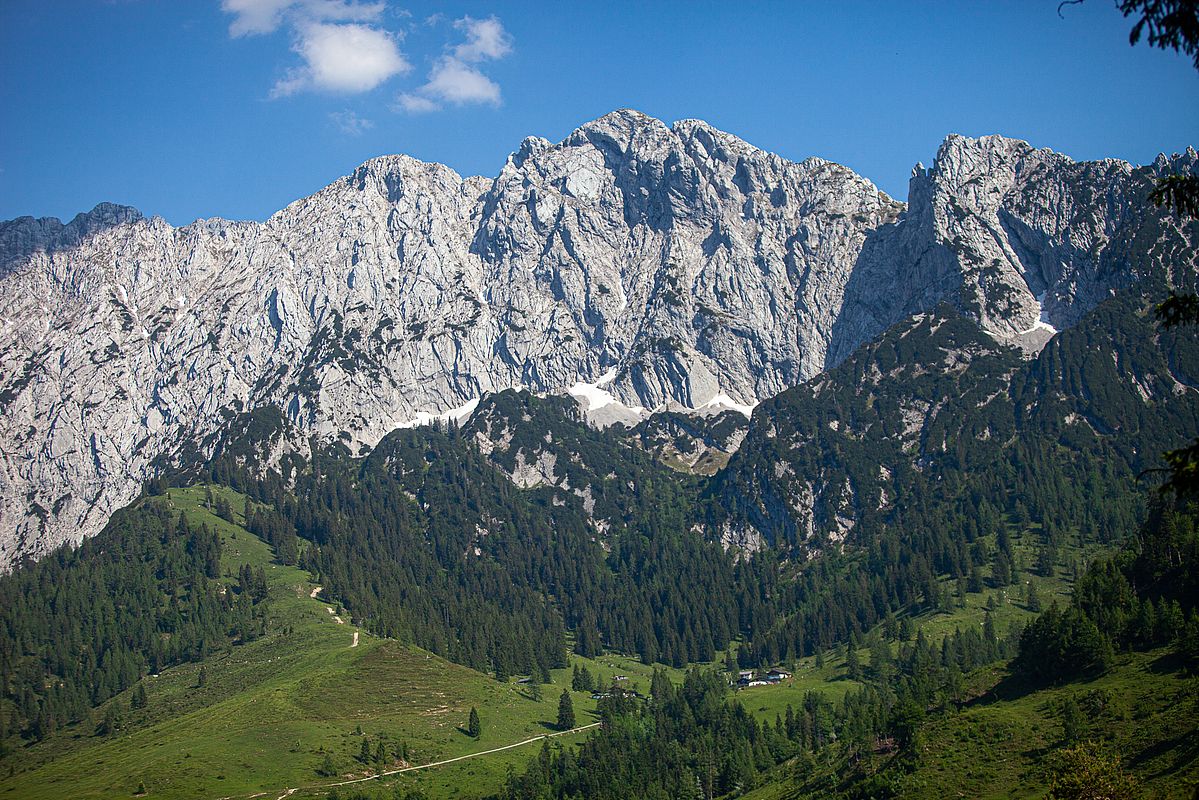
x: 416, y: 103
x: 485, y: 39
x: 350, y: 123
x: 455, y: 77
x: 254, y: 17
x: 342, y: 47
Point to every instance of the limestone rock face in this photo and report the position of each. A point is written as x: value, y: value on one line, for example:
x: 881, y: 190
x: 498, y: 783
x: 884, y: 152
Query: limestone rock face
x: 1024, y: 240
x: 673, y: 266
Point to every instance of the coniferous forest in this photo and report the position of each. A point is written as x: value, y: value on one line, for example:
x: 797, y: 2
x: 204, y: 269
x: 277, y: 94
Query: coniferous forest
x: 87, y: 624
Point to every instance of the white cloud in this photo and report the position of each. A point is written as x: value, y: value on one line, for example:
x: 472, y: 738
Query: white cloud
x: 342, y: 58
x: 253, y: 17
x: 416, y: 104
x: 485, y: 39
x: 342, y: 52
x: 345, y: 49
x: 350, y: 123
x: 454, y: 78
x: 459, y: 83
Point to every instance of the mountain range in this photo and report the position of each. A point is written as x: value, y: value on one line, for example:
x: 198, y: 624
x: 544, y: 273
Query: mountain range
x: 655, y: 273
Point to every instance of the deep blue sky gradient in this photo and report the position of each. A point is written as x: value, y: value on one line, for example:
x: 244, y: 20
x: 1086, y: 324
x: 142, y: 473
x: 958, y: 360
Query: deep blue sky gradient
x: 151, y: 103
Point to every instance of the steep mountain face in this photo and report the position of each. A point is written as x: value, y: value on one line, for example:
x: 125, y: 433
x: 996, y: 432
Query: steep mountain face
x: 821, y: 458
x: 633, y: 265
x: 938, y: 413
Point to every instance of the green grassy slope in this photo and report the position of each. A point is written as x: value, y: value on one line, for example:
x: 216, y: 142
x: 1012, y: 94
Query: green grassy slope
x: 999, y: 746
x: 272, y: 709
x: 1144, y: 709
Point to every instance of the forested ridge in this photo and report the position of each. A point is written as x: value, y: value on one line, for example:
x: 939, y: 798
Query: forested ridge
x: 83, y: 625
x: 922, y: 450
x: 428, y: 542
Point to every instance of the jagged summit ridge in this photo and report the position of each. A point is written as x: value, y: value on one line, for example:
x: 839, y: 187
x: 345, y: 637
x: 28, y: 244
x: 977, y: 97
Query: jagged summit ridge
x: 678, y: 263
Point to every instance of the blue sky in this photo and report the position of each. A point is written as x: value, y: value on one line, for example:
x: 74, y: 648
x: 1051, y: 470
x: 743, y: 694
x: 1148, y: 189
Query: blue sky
x: 233, y: 108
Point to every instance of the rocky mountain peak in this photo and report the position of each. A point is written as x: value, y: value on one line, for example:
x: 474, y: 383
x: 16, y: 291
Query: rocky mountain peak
x: 22, y: 237
x: 634, y: 266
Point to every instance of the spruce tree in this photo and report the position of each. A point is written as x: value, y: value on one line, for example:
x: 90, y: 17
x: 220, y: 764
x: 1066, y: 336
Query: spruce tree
x: 1073, y: 721
x: 566, y: 712
x: 474, y: 728
x: 364, y: 754
x: 1034, y: 599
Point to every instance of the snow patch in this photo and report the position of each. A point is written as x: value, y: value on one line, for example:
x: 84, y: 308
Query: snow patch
x: 592, y: 397
x: 1042, y: 323
x: 458, y: 415
x: 722, y: 401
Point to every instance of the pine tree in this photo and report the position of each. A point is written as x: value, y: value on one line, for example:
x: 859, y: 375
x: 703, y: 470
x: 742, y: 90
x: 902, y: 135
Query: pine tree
x: 853, y: 667
x: 113, y: 719
x: 474, y: 728
x: 1073, y: 721
x: 1033, y: 599
x: 566, y: 712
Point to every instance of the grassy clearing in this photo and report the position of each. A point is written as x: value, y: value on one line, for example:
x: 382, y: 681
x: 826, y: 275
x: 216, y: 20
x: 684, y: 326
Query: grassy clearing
x: 1145, y: 710
x: 271, y: 710
x: 1010, y: 612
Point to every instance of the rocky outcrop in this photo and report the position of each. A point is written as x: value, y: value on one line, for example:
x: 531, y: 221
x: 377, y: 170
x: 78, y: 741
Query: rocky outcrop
x: 679, y: 264
x: 1023, y: 240
x: 691, y: 442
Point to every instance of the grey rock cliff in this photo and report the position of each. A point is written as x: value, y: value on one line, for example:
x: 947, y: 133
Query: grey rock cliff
x: 644, y: 265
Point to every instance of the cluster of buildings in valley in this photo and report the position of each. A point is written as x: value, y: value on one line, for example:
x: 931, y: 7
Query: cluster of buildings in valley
x: 749, y: 677
x: 616, y: 690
